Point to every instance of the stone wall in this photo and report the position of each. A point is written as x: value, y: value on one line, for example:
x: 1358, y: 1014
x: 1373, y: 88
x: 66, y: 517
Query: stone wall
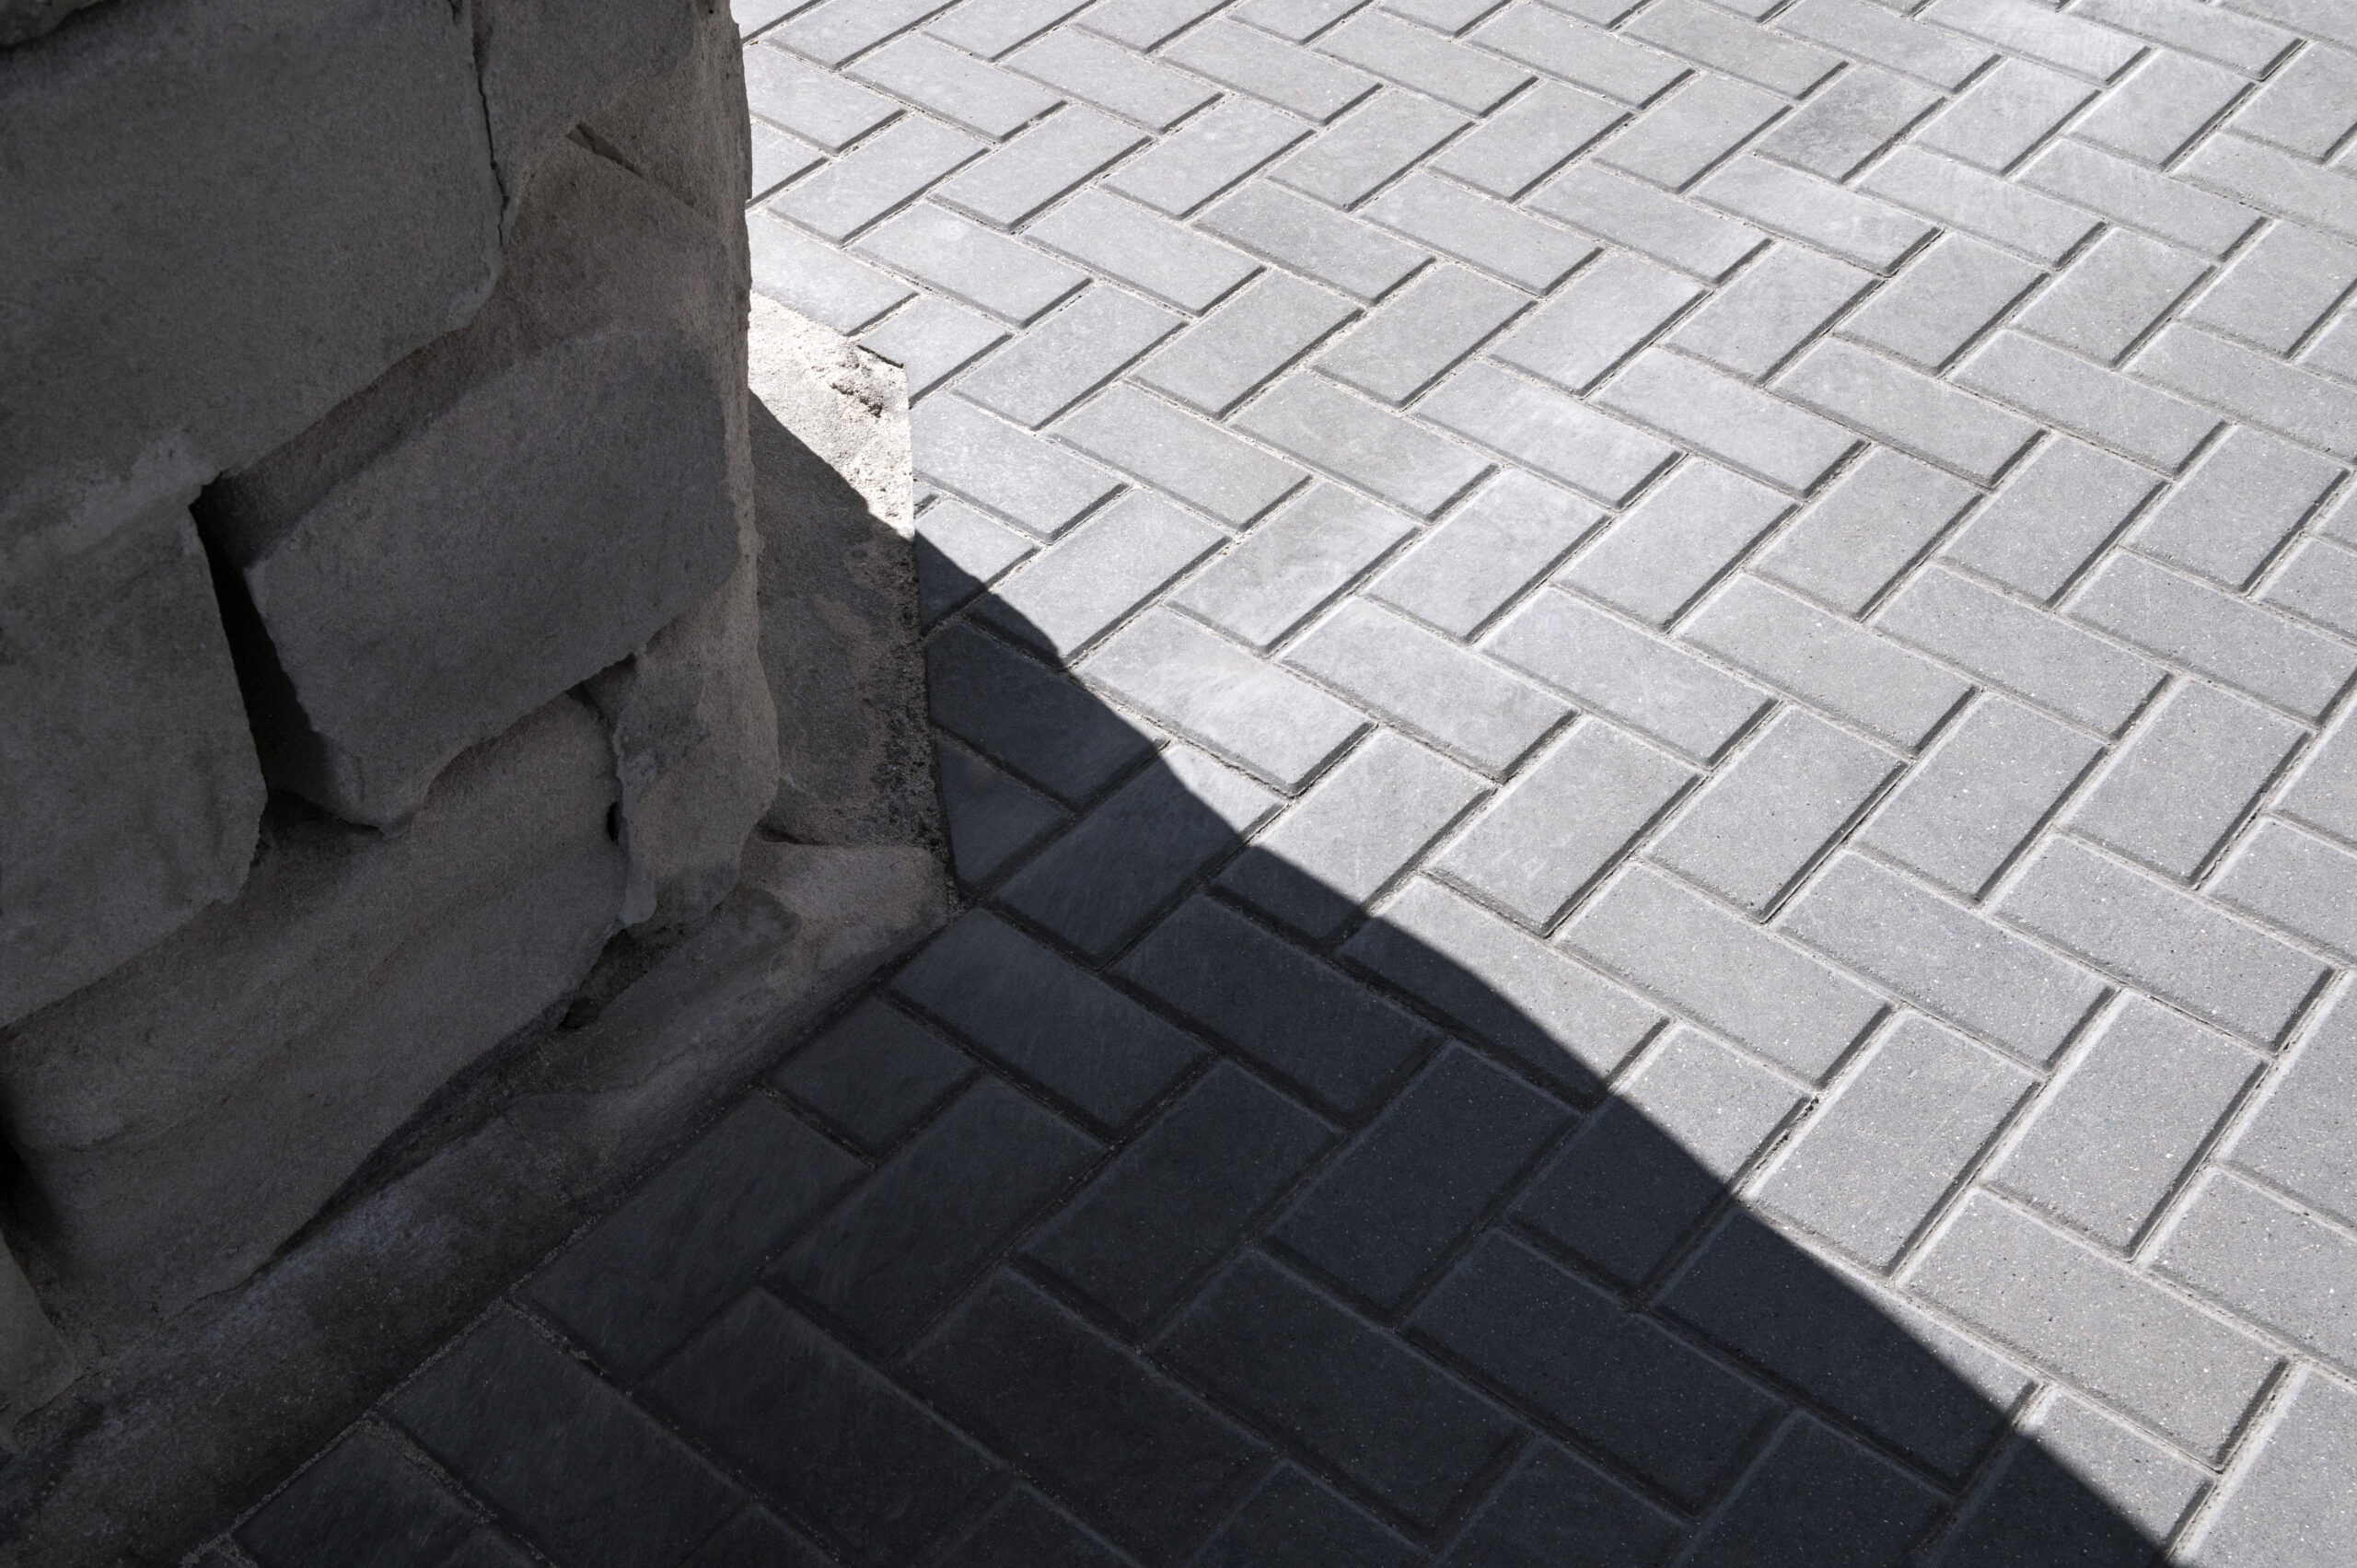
x: 397, y: 634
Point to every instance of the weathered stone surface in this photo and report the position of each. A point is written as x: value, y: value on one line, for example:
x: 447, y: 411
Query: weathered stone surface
x: 548, y: 64
x: 179, y: 1118
x: 128, y: 789
x: 223, y: 221
x: 506, y: 512
x: 22, y: 20
x: 34, y: 1363
x: 685, y: 128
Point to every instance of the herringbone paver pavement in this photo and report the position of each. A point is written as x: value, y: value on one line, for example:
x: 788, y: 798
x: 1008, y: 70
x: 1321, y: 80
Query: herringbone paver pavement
x: 1647, y: 702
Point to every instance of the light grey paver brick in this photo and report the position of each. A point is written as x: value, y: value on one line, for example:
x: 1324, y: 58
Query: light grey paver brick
x: 1039, y: 166
x: 2111, y: 294
x: 2274, y: 182
x: 2113, y: 1133
x: 1704, y: 119
x: 1212, y: 151
x: 1673, y: 544
x: 1666, y: 227
x: 933, y: 340
x: 1421, y: 332
x: 2268, y: 1262
x: 1871, y: 32
x: 1177, y: 451
x: 2305, y: 1137
x: 1383, y: 135
x: 1450, y: 71
x: 991, y: 463
x: 2174, y: 946
x: 1142, y: 248
x: 2100, y: 404
x: 1644, y: 682
x: 1275, y: 725
x: 1866, y: 529
x: 1941, y: 957
x: 833, y: 33
x: 1067, y: 355
x: 1732, y: 421
x: 2335, y: 352
x: 1283, y: 74
x: 2308, y: 106
x: 2323, y: 794
x: 1582, y: 55
x: 2142, y: 198
x: 975, y: 550
x: 1907, y: 409
x: 1960, y: 814
x: 1721, y: 1107
x: 1854, y: 118
x: 1490, y: 235
x: 1448, y: 16
x: 1493, y: 548
x: 1097, y: 71
x: 2228, y: 516
x: 778, y: 158
x: 1751, y: 830
x: 1726, y: 972
x: 1141, y: 24
x: 1593, y: 324
x: 1462, y: 703
x: 1296, y: 20
x: 2067, y: 1307
x: 1223, y: 359
x: 2032, y: 655
x: 1562, y: 823
x: 1291, y: 564
x: 2051, y: 517
x: 2042, y: 34
x: 991, y: 27
x: 1358, y: 827
x: 2296, y: 1504
x: 814, y: 104
x: 1098, y: 573
x: 1353, y: 439
x: 1711, y: 36
x: 1858, y: 228
x: 885, y: 172
x: 2231, y: 639
x: 2300, y: 882
x: 983, y: 267
x: 2279, y: 288
x: 2318, y: 581
x: 2249, y: 46
x: 1964, y: 197
x: 1527, y: 140
x: 1825, y: 659
x: 2258, y: 387
x: 1773, y: 306
x: 2187, y: 777
x: 953, y: 85
x: 1942, y: 301
x: 2150, y: 1487
x: 2154, y: 113
x: 1547, y: 432
x: 1296, y: 232
x: 2005, y: 114
x: 817, y: 280
x: 1870, y: 1164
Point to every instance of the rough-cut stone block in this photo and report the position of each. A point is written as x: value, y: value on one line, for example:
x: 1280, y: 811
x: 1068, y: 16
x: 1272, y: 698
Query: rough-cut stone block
x: 548, y: 64
x: 34, y: 1362
x: 179, y: 1118
x: 506, y: 512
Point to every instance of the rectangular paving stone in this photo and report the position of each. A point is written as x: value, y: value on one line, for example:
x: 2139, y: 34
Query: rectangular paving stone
x: 2318, y: 581
x: 2186, y: 778
x: 1173, y: 1202
x: 1825, y: 659
x: 2323, y: 792
x: 1856, y: 1505
x: 1177, y: 451
x: 2068, y: 1307
x: 1102, y: 881
x: 363, y: 1495
x: 1450, y: 71
x: 2249, y: 46
x: 2156, y: 114
x: 885, y: 172
x: 1013, y: 472
x: 2005, y: 114
x: 2140, y: 198
x: 1962, y: 812
x: 1856, y: 227
x: 1111, y: 77
x: 1964, y: 197
x: 817, y: 280
x: 2273, y: 180
x: 1369, y: 147
x: 1560, y: 1020
x: 2099, y: 404
x: 1547, y: 433
x: 1527, y: 140
x: 991, y: 27
x: 1068, y: 356
x: 1292, y: 1521
x: 1421, y: 332
x: 1142, y: 248
x: 1024, y: 1527
x: 1668, y: 229
x: 1868, y: 527
x: 2300, y: 883
x: 1853, y: 118
x: 2065, y: 42
x: 778, y: 158
x: 2225, y: 637
x: 1342, y: 1044
x: 2079, y: 1479
x: 1754, y: 828
x: 1362, y: 823
x: 1942, y: 956
x: 2269, y: 1263
x: 2259, y: 388
x: 2297, y: 1489
x: 1662, y: 553
x: 1488, y: 550
x: 1553, y: 1503
x: 1027, y: 717
x: 993, y: 816
x: 872, y: 1076
x: 1730, y: 975
x: 1743, y: 428
x: 1778, y: 302
x: 2225, y: 518
x: 1374, y: 1222
x: 1941, y: 301
x: 2051, y: 517
x: 2112, y: 1135
x: 1871, y: 32
x: 817, y: 105
x: 2279, y: 287
x: 1644, y: 682
x: 1141, y: 24
x: 1313, y: 240
x: 1278, y: 1350
x: 978, y: 265
x: 1476, y: 712
x: 1310, y: 85
x: 932, y: 341
x: 1277, y: 575
x: 1908, y: 409
x: 2307, y: 107
x: 1206, y: 156
x: 832, y: 32
x: 1592, y: 325
x: 2177, y: 947
x: 1273, y: 723
x: 2031, y: 653
x: 1713, y: 38
x: 1587, y: 57
x: 1046, y: 161
x: 1234, y: 351
x: 1698, y: 123
x: 1353, y: 440
x: 953, y: 85
x: 1490, y: 235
